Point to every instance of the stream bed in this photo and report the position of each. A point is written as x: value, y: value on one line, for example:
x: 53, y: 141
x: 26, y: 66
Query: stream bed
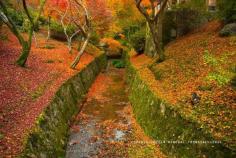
x: 105, y: 127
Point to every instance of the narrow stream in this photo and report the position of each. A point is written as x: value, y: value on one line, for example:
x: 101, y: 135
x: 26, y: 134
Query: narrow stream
x: 105, y: 127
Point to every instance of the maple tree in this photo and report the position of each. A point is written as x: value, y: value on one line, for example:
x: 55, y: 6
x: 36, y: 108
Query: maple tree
x: 33, y: 21
x: 153, y: 11
x: 101, y: 15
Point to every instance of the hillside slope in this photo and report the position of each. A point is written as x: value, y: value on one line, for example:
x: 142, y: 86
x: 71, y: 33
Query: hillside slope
x: 204, y: 63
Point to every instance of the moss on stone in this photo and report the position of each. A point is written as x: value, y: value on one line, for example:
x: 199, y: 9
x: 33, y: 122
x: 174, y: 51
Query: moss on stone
x: 49, y: 136
x: 165, y: 122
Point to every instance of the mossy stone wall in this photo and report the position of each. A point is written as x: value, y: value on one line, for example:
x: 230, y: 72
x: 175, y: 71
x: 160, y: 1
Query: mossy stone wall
x: 49, y: 136
x: 164, y: 122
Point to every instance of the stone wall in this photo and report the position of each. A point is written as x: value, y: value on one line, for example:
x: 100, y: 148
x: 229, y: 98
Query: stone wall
x: 165, y: 122
x: 49, y: 136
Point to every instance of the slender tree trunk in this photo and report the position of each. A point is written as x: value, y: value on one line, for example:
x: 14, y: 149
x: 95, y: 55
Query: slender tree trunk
x: 77, y: 59
x: 26, y: 47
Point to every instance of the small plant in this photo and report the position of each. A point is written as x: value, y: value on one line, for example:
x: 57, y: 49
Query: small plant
x: 118, y: 63
x: 209, y: 59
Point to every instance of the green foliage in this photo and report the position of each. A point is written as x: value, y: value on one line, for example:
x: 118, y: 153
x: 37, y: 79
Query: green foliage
x: 138, y: 40
x: 227, y: 10
x: 209, y: 59
x: 118, y: 63
x: 184, y: 17
x: 219, y: 74
x: 16, y: 16
x: 220, y: 78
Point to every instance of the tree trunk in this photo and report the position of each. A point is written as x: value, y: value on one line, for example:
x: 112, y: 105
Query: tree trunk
x: 24, y: 55
x: 156, y: 28
x: 26, y: 46
x: 77, y: 59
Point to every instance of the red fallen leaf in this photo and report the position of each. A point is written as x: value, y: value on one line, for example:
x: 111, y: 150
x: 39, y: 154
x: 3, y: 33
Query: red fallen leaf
x: 22, y: 90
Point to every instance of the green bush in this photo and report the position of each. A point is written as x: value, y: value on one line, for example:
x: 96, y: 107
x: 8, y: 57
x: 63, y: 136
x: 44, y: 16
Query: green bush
x: 118, y: 63
x: 17, y: 17
x: 137, y: 40
x: 227, y: 10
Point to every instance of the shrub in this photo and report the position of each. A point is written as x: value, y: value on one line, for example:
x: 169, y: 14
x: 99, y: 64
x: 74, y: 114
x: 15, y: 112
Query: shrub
x: 138, y: 40
x: 227, y: 10
x: 17, y: 17
x: 118, y: 63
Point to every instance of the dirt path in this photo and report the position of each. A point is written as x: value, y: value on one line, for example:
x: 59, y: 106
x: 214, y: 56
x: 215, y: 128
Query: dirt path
x: 106, y: 127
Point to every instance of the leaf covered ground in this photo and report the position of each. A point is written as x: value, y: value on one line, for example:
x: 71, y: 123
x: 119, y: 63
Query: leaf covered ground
x: 204, y: 63
x: 25, y: 92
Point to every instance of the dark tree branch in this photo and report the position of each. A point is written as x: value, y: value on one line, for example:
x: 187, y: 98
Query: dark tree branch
x: 27, y: 11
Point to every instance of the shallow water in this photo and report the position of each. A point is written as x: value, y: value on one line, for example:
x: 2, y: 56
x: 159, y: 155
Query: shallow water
x: 104, y: 127
x: 102, y: 105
